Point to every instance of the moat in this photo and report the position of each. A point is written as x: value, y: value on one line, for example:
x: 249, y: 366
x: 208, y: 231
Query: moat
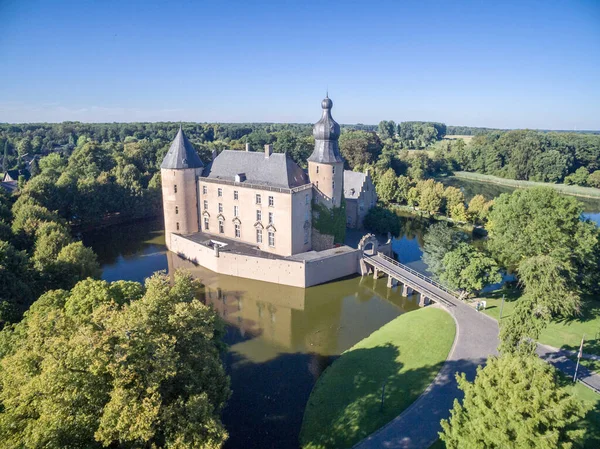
x: 279, y: 338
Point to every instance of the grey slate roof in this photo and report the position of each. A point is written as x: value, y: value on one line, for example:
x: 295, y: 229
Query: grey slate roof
x: 326, y: 132
x: 353, y: 180
x: 181, y: 154
x: 278, y: 170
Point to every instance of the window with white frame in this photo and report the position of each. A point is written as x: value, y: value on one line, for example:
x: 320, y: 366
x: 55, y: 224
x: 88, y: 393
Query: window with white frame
x: 270, y: 217
x: 221, y: 227
x: 235, y: 195
x: 219, y: 191
x: 206, y: 223
x: 205, y: 204
x: 236, y: 211
x: 204, y: 190
x: 271, y: 239
x: 259, y: 236
x: 271, y: 201
x: 258, y: 199
x: 220, y: 208
x: 258, y: 215
x: 238, y: 232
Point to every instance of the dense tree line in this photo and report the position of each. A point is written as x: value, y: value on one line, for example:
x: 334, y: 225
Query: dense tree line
x: 532, y: 155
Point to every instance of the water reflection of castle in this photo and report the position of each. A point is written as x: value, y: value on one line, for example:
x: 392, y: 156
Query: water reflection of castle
x: 289, y: 318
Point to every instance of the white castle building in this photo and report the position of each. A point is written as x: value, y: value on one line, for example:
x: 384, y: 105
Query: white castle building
x: 246, y: 205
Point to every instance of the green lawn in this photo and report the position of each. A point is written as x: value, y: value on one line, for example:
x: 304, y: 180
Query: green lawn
x: 560, y: 334
x: 405, y: 354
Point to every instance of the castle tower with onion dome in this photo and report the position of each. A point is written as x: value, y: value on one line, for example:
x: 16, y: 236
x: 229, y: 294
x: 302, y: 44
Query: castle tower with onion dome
x: 325, y: 164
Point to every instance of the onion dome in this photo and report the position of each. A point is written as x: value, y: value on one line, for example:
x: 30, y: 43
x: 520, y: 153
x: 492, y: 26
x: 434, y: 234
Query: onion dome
x: 181, y: 154
x: 326, y: 132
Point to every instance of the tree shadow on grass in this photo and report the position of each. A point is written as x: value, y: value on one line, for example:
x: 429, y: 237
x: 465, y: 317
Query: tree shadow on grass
x: 345, y: 406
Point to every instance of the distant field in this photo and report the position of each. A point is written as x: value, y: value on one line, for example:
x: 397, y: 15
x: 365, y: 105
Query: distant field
x: 467, y: 139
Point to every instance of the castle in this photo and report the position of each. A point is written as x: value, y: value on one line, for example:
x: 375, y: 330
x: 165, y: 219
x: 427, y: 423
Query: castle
x: 249, y: 207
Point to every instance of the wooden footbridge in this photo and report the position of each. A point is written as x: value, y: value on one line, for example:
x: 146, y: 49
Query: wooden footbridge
x: 412, y: 281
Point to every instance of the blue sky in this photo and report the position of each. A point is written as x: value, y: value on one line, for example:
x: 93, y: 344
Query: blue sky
x: 479, y: 63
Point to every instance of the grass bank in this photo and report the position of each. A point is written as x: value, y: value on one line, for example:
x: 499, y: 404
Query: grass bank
x: 405, y: 355
x: 408, y: 211
x: 584, y: 192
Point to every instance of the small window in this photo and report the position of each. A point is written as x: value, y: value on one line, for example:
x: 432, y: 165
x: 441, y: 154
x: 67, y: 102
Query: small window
x: 271, y: 239
x: 219, y: 192
x: 270, y: 217
x: 177, y: 225
x: 236, y: 211
x: 259, y: 236
x: 176, y: 210
x: 238, y: 232
x: 333, y: 169
x: 306, y: 199
x: 221, y: 227
x: 220, y: 208
x: 205, y: 204
x: 317, y: 184
x: 306, y: 234
x: 258, y: 199
x: 317, y: 169
x: 258, y: 215
x: 271, y: 201
x: 175, y: 188
x: 204, y: 190
x: 333, y: 185
x: 206, y: 223
x: 235, y: 195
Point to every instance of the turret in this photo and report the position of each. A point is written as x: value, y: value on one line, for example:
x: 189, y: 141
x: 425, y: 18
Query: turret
x: 179, y: 171
x: 325, y: 164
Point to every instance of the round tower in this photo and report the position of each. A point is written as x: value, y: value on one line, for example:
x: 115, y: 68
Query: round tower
x: 325, y: 164
x: 179, y: 171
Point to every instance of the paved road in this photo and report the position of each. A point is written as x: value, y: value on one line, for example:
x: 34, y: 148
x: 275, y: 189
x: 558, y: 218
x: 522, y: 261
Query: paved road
x: 477, y: 338
x: 418, y: 426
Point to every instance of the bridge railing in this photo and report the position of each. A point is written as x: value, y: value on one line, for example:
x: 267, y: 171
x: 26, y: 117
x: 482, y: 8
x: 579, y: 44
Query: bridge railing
x: 419, y: 275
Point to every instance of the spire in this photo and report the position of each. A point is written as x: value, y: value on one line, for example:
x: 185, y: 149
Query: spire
x: 326, y: 132
x: 181, y: 154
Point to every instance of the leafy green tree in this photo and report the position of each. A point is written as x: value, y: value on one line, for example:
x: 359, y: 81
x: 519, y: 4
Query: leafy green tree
x: 459, y: 213
x: 34, y: 168
x: 29, y: 218
x: 359, y: 147
x: 514, y: 402
x: 594, y: 179
x: 114, y: 365
x: 77, y: 262
x: 431, y: 196
x: 580, y: 177
x: 5, y: 158
x: 467, y: 268
x: 50, y: 239
x: 16, y: 279
x: 413, y: 197
x: 479, y: 209
x: 386, y: 129
x: 439, y: 240
x: 53, y: 165
x: 380, y: 220
x: 404, y: 185
x: 453, y: 197
x: 387, y: 187
x: 540, y: 221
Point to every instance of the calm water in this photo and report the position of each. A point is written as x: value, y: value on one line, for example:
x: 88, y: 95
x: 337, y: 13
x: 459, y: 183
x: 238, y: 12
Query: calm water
x: 280, y: 338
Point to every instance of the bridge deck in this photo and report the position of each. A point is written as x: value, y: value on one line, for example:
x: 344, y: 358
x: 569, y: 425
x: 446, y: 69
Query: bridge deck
x: 413, y: 279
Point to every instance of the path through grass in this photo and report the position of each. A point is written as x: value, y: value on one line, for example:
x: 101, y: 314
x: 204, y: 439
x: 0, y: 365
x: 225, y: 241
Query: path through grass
x: 405, y: 355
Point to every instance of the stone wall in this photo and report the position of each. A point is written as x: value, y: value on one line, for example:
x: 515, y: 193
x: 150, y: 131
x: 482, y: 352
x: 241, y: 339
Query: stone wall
x: 321, y: 242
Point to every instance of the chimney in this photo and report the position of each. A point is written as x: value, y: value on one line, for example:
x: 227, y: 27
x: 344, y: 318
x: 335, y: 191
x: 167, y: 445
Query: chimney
x: 214, y: 154
x: 268, y: 151
x: 247, y: 146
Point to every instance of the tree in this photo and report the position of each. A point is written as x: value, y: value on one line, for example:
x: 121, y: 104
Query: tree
x: 386, y: 129
x: 479, y: 209
x: 580, y: 177
x: 5, y: 158
x: 469, y: 269
x: 381, y: 221
x: 439, y: 240
x: 52, y: 165
x: 119, y: 365
x: 541, y: 221
x: 454, y: 197
x: 404, y: 185
x: 594, y: 179
x: 50, y: 239
x: 431, y: 195
x: 514, y: 402
x: 359, y: 147
x: 77, y: 262
x: 387, y: 187
x: 17, y: 280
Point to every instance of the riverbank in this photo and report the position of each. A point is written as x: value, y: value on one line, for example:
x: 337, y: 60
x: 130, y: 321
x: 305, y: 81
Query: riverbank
x: 572, y: 190
x: 405, y: 355
x: 409, y: 211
